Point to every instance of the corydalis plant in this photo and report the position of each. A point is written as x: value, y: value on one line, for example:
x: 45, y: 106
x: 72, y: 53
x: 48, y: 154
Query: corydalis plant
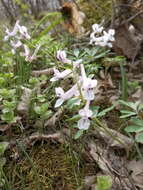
x: 83, y: 88
x: 17, y: 38
x: 100, y: 37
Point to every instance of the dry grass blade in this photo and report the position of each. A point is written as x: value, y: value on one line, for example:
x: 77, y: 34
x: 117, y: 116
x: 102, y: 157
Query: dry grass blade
x: 43, y: 72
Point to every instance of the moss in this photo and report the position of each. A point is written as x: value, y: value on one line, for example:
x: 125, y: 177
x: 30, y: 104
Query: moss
x: 55, y: 168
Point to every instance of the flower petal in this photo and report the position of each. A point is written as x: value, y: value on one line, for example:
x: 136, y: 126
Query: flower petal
x: 59, y: 102
x: 84, y: 123
x: 59, y: 91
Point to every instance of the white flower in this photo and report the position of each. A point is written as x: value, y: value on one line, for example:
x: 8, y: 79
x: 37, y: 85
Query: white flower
x: 88, y: 88
x: 108, y: 37
x: 15, y: 45
x: 97, y: 28
x: 111, y: 32
x: 76, y: 63
x: 34, y: 55
x: 24, y: 32
x: 27, y: 54
x: 62, y: 56
x: 92, y: 38
x: 13, y: 33
x: 60, y: 75
x: 63, y: 96
x: 83, y: 123
x: 100, y: 37
x: 85, y: 113
x: 88, y: 85
x: 17, y: 28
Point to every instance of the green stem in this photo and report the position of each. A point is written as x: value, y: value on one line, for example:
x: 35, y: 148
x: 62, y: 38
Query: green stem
x: 124, y: 83
x: 104, y: 129
x: 136, y: 146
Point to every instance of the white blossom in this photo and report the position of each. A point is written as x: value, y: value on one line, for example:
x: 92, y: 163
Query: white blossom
x: 23, y: 32
x: 63, y: 96
x: 13, y: 33
x: 77, y: 63
x: 15, y: 45
x: 27, y: 53
x: 19, y: 32
x: 88, y: 85
x: 62, y: 56
x: 85, y: 113
x: 100, y: 37
x: 97, y: 28
x: 60, y: 75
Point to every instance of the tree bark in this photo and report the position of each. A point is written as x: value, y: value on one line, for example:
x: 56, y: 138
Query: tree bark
x: 10, y: 9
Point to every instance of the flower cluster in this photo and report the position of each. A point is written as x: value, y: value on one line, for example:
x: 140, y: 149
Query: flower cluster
x: 100, y: 37
x: 16, y: 38
x: 83, y: 89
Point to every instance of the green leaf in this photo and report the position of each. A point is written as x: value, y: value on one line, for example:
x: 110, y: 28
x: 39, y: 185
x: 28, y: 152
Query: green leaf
x: 78, y: 134
x: 137, y: 121
x: 44, y: 107
x: 47, y: 114
x: 104, y: 182
x: 103, y: 54
x: 3, y: 147
x: 134, y: 128
x: 40, y: 110
x: 127, y: 113
x: 74, y: 118
x: 72, y: 102
x: 102, y: 113
x: 41, y: 98
x: 95, y: 110
x: 76, y: 52
x: 129, y: 104
x: 8, y: 117
x: 139, y: 138
x: 37, y: 109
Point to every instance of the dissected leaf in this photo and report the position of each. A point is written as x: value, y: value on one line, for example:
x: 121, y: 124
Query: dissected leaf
x: 129, y: 104
x: 134, y: 128
x: 126, y: 113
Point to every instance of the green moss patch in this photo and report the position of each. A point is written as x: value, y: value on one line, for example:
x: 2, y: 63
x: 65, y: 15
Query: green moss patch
x: 52, y: 168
